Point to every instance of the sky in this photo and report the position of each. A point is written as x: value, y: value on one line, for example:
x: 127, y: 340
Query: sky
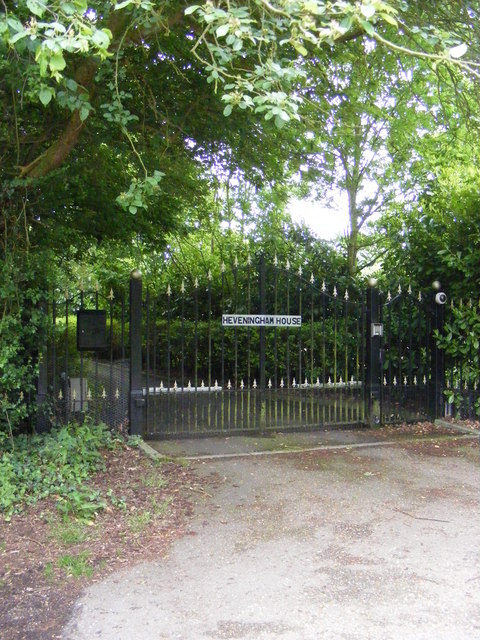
x: 326, y: 221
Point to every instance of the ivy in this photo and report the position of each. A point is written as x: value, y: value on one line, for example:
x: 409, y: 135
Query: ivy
x: 22, y: 325
x: 56, y: 464
x: 461, y: 342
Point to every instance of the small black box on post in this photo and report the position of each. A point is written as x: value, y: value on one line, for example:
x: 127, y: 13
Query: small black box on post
x: 91, y: 330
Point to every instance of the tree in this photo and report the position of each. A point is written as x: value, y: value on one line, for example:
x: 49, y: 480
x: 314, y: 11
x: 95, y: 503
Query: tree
x: 126, y: 88
x: 250, y: 51
x: 436, y: 235
x: 351, y: 108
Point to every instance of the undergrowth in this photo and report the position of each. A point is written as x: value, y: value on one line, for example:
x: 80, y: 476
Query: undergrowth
x: 56, y: 464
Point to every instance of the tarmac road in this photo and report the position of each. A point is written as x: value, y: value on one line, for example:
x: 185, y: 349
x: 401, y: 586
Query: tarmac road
x: 372, y: 543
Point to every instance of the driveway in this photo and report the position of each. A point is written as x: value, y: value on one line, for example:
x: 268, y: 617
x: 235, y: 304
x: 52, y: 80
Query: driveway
x: 369, y: 542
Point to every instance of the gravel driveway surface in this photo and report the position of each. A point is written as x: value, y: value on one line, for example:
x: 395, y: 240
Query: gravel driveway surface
x: 354, y: 543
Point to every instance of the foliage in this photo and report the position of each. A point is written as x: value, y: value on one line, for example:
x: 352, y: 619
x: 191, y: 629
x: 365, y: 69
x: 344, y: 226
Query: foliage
x: 76, y: 565
x: 252, y: 53
x: 434, y: 235
x: 349, y: 113
x: 56, y: 465
x: 461, y: 342
x: 22, y: 325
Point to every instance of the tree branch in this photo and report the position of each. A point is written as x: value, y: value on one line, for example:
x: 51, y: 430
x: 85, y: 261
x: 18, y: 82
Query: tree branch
x: 56, y: 154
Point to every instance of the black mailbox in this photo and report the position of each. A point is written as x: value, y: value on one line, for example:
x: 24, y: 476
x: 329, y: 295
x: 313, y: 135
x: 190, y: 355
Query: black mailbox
x: 91, y: 330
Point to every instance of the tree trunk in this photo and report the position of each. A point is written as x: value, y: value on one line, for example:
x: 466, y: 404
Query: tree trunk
x: 56, y: 154
x: 58, y: 151
x: 352, y: 240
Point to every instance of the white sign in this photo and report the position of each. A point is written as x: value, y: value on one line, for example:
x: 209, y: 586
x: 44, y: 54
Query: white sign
x: 377, y: 329
x: 236, y: 320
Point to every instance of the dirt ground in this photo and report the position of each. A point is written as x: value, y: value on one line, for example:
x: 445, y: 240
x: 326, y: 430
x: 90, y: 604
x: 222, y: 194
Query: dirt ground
x: 353, y: 542
x: 375, y: 542
x: 45, y: 562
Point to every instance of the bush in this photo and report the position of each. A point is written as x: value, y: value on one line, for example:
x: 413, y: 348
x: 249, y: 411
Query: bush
x: 22, y: 328
x: 54, y: 464
x: 461, y: 343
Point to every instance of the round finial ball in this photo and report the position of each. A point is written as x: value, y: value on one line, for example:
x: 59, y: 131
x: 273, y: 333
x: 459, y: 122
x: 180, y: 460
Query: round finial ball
x: 373, y: 282
x: 436, y: 286
x: 136, y: 274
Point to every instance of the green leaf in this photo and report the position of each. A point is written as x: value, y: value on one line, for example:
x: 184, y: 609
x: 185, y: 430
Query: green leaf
x: 57, y: 62
x: 390, y: 19
x: 84, y: 111
x: 368, y: 10
x: 368, y: 26
x: 191, y: 9
x: 300, y: 48
x: 36, y: 7
x: 45, y: 94
x: 71, y: 84
x: 18, y: 36
x: 101, y: 39
x: 228, y: 110
x: 122, y: 5
x: 222, y: 30
x: 459, y: 51
x: 68, y: 8
x: 346, y: 23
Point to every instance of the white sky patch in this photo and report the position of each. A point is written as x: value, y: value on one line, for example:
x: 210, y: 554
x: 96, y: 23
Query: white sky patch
x: 327, y: 221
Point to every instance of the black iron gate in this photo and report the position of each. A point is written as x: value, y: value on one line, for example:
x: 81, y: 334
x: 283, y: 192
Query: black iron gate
x: 258, y: 348
x: 84, y: 368
x: 255, y: 347
x: 406, y: 367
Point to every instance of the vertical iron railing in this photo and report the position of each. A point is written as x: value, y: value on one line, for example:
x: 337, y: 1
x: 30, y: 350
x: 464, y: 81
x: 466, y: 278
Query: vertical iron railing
x: 137, y: 399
